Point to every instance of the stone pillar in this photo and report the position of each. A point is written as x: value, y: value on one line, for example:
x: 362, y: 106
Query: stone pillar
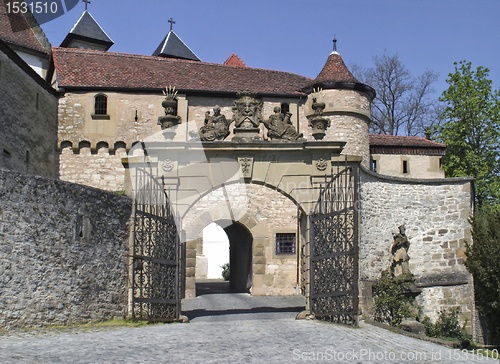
x: 191, y: 267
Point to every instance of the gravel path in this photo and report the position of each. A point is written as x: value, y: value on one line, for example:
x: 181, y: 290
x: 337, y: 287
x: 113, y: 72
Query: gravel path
x: 230, y: 328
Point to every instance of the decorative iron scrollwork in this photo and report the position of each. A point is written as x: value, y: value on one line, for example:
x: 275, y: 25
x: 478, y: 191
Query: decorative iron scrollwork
x: 334, y: 249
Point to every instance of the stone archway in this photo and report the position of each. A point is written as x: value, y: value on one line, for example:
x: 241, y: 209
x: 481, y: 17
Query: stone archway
x: 257, y: 234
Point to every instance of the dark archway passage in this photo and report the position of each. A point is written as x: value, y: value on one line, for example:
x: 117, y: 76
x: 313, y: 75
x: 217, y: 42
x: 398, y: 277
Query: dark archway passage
x: 240, y: 261
x: 240, y: 258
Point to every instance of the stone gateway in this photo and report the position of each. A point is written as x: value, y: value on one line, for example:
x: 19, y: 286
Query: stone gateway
x: 285, y: 164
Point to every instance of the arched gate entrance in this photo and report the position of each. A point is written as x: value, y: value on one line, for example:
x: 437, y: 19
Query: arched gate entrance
x: 314, y: 175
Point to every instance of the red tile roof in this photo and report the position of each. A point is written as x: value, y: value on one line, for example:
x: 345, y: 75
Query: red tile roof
x: 91, y: 68
x: 335, y: 75
x: 395, y: 144
x: 15, y: 30
x: 234, y: 60
x: 403, y: 141
x: 335, y: 70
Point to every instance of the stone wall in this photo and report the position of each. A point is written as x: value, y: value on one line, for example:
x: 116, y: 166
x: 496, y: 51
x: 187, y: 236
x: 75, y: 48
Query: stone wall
x: 91, y: 149
x: 436, y: 214
x: 63, y: 251
x: 28, y: 118
x: 102, y: 169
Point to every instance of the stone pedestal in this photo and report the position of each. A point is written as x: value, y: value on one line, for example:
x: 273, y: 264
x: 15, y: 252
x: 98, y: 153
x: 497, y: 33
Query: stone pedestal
x: 246, y: 135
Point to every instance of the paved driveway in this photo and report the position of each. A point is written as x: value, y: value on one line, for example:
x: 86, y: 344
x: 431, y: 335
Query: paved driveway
x: 231, y: 328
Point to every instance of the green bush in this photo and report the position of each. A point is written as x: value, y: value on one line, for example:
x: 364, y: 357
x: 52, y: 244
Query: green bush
x: 430, y: 328
x: 391, y: 304
x: 226, y: 274
x: 447, y: 326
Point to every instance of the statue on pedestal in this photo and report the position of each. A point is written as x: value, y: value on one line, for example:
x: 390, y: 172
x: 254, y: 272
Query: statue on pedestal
x: 400, y: 261
x: 216, y: 127
x: 279, y: 126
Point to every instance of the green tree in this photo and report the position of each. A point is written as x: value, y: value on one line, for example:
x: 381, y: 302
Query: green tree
x: 482, y: 263
x: 471, y: 130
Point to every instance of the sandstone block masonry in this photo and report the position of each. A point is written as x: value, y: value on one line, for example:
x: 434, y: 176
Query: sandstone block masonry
x: 63, y: 251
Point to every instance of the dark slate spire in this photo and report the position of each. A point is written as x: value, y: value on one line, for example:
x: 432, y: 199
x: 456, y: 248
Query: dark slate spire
x: 173, y: 47
x: 87, y: 34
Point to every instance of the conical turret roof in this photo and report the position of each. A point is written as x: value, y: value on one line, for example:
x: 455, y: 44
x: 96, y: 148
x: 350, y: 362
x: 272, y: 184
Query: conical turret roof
x: 336, y: 75
x: 173, y: 47
x: 87, y: 30
x: 335, y: 70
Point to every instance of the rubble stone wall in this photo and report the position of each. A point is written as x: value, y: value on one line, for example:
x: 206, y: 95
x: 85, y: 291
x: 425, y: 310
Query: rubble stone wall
x: 435, y: 213
x: 28, y: 119
x: 63, y: 252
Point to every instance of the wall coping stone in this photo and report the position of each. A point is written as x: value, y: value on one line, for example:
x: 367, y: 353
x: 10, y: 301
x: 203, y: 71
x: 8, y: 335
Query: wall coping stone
x: 406, y: 180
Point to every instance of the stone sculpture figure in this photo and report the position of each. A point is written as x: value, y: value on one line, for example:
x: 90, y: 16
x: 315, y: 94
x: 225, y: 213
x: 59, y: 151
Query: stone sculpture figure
x: 247, y: 110
x: 400, y: 261
x: 215, y: 127
x: 279, y: 126
x: 247, y: 117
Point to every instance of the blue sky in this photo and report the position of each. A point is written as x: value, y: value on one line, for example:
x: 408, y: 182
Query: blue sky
x: 296, y: 35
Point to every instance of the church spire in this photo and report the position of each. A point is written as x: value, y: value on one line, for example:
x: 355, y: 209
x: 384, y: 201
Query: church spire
x: 87, y: 34
x: 173, y: 47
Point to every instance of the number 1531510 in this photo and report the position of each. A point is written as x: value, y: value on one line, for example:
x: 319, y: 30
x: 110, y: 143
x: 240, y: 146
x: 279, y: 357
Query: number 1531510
x: 37, y: 7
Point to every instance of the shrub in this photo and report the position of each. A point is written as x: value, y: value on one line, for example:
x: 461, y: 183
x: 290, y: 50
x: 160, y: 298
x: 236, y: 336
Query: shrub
x: 391, y: 304
x: 446, y: 326
x: 226, y: 271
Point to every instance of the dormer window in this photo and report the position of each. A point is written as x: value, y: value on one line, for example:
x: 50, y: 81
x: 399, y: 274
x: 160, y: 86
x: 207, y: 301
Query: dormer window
x: 100, y: 107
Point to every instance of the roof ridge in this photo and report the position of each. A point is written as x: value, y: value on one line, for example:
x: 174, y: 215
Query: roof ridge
x: 163, y: 59
x: 389, y: 136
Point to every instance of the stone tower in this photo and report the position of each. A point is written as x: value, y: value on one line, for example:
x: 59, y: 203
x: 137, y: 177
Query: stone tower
x: 345, y: 102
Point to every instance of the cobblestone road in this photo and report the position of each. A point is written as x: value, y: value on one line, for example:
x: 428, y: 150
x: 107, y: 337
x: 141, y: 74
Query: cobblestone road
x: 232, y: 328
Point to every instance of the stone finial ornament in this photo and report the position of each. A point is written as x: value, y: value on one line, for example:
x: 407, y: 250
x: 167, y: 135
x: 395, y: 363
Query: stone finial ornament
x: 318, y: 123
x: 216, y: 127
x: 247, y: 115
x: 400, y: 260
x: 280, y: 127
x: 170, y: 119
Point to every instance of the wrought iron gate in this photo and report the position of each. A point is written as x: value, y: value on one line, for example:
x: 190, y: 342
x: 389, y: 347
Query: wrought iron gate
x: 155, y: 252
x: 334, y: 248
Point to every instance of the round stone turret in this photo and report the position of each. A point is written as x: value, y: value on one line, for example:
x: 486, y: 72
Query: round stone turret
x: 347, y: 107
